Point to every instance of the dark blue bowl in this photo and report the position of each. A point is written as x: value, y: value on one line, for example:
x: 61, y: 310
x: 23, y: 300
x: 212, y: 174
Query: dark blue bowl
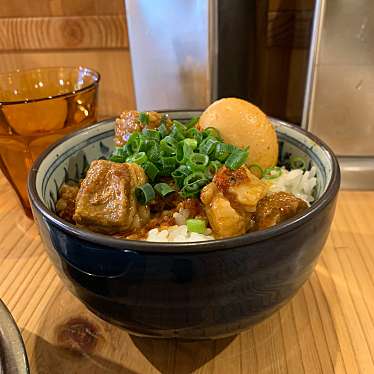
x: 190, y: 290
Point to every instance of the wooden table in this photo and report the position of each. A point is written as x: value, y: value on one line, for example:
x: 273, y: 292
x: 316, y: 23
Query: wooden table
x: 327, y: 327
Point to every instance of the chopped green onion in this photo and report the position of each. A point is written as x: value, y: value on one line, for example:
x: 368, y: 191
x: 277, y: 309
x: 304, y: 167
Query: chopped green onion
x: 134, y: 142
x: 297, y: 162
x: 193, y: 183
x: 212, y: 168
x: 272, y: 173
x: 256, y: 170
x: 144, y: 118
x: 192, y: 122
x: 177, y: 133
x: 137, y: 158
x: 180, y: 126
x: 168, y: 165
x: 152, y: 134
x: 163, y: 189
x: 152, y: 150
x: 168, y: 145
x: 198, y: 162
x: 196, y: 225
x: 144, y: 194
x: 223, y: 151
x: 185, y: 149
x: 164, y: 131
x: 151, y: 170
x: 208, y: 145
x: 118, y: 159
x: 195, y: 134
x: 180, y: 174
x: 119, y: 155
x: 237, y: 159
x: 211, y: 132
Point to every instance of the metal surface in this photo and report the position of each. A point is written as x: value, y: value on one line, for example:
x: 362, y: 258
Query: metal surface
x: 340, y: 90
x: 173, y: 52
x: 13, y: 359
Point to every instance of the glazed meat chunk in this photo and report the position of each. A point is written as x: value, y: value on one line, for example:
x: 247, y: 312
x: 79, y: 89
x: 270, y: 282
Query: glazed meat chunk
x: 278, y: 207
x: 129, y: 122
x: 230, y: 201
x: 106, y: 199
x: 65, y: 205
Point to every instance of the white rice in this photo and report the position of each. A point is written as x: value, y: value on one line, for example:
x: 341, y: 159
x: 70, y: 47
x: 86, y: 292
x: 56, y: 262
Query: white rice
x: 177, y: 234
x: 296, y: 181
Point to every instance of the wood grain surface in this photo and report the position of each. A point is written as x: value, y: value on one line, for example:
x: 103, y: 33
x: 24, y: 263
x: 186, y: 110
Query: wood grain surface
x: 328, y: 327
x: 60, y: 33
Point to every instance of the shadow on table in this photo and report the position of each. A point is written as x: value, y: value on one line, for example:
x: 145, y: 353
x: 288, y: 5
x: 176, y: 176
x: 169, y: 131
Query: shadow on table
x: 52, y: 359
x: 179, y: 356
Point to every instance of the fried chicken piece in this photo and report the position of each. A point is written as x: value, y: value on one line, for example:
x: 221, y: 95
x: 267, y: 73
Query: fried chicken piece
x: 278, y: 207
x: 65, y: 205
x: 230, y: 201
x: 106, y: 199
x: 129, y: 122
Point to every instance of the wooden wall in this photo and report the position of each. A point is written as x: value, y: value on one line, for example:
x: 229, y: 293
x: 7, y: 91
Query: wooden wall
x: 91, y: 33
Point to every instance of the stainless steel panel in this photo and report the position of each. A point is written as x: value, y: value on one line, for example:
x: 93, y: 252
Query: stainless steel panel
x: 357, y: 173
x: 342, y: 85
x: 172, y: 52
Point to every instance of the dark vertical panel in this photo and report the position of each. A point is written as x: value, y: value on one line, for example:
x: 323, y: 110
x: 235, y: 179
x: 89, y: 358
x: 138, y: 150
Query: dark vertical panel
x: 236, y: 48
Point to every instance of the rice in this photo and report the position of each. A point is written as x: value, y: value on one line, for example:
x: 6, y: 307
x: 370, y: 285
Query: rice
x: 176, y: 234
x: 297, y: 182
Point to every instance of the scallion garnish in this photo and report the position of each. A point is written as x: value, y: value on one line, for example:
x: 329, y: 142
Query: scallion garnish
x: 151, y: 170
x: 168, y: 145
x: 138, y: 158
x: 211, y: 132
x: 297, y: 162
x: 196, y: 225
x: 145, y: 193
x: 237, y: 159
x: 212, y: 168
x: 197, y: 162
x: 222, y: 151
x: 144, y: 118
x: 192, y: 122
x: 189, y: 156
x: 208, y: 145
x: 272, y: 173
x: 193, y: 183
x: 163, y: 189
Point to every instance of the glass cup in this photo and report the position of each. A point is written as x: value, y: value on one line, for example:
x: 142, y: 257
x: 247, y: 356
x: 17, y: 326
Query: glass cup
x: 38, y: 107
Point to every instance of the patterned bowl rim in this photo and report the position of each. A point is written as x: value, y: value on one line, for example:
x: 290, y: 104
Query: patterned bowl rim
x: 185, y: 247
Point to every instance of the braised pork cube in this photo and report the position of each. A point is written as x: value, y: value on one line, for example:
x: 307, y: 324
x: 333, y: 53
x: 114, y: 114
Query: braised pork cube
x: 106, y: 199
x: 65, y: 205
x: 230, y: 201
x: 278, y: 207
x: 130, y: 121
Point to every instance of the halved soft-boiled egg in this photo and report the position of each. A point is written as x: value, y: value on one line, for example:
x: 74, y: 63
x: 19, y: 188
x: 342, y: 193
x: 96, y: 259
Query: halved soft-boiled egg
x: 243, y: 124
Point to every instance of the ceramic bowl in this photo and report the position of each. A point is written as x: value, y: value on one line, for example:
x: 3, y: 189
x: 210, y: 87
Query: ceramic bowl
x: 13, y: 358
x: 188, y: 290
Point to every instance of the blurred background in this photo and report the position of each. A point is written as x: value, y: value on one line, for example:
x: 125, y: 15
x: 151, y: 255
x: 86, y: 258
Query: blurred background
x: 308, y: 62
x: 268, y: 64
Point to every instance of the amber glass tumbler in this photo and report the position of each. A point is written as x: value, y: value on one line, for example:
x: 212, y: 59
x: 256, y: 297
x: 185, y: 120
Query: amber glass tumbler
x: 37, y: 107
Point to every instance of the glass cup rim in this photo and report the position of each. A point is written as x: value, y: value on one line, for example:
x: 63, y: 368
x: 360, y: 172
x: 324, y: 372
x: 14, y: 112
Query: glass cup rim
x: 93, y: 72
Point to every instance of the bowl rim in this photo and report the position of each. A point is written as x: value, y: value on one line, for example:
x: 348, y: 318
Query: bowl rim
x: 185, y: 247
x: 58, y: 96
x: 13, y: 350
